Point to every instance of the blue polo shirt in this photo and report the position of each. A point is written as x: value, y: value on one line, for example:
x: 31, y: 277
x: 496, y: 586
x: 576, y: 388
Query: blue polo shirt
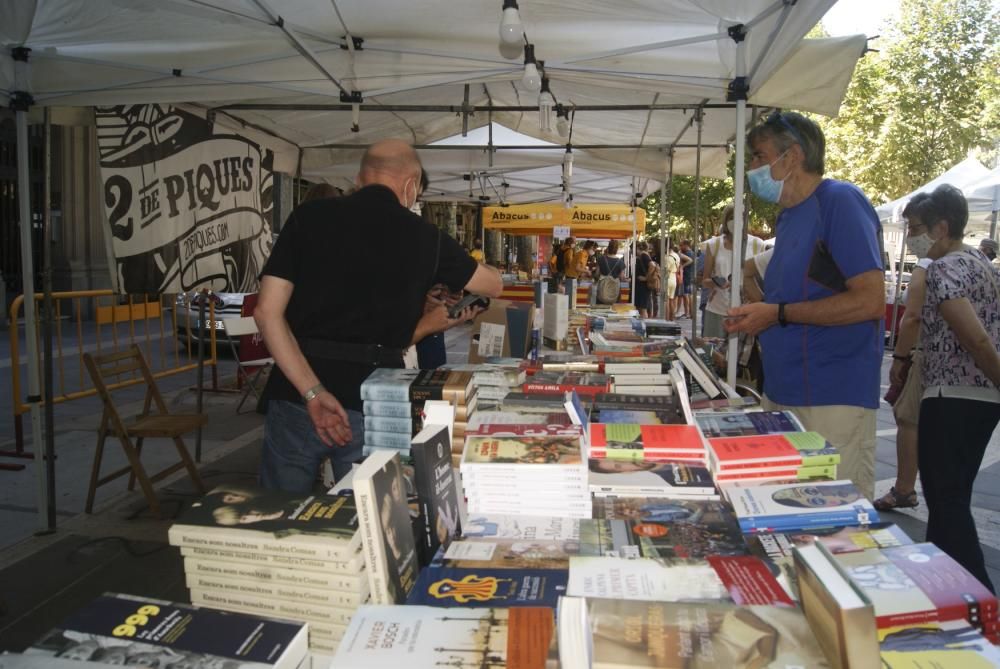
x: 811, y: 365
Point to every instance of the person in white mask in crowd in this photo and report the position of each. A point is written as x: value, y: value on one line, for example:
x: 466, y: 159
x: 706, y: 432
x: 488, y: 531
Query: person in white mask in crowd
x: 820, y: 324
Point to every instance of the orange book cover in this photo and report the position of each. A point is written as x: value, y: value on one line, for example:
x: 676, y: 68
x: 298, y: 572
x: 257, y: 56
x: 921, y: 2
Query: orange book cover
x: 754, y: 451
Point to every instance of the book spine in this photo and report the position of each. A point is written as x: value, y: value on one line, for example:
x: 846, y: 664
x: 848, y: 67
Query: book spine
x: 385, y: 424
x: 827, y: 471
x: 357, y: 583
x: 385, y: 392
x: 353, y: 565
x: 387, y: 439
x: 423, y: 470
x: 376, y: 563
x: 316, y: 616
x: 388, y: 409
x: 297, y: 546
x: 553, y: 388
x: 820, y: 460
x: 319, y: 596
x: 793, y: 522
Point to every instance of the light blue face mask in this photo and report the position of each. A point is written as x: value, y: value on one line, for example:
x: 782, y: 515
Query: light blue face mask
x: 763, y: 185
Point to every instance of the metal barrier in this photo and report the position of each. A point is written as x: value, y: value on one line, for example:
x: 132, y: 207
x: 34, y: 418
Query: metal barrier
x: 115, y: 324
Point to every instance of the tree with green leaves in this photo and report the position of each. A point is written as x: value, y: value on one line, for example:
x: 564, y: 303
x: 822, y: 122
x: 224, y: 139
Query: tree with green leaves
x: 922, y: 102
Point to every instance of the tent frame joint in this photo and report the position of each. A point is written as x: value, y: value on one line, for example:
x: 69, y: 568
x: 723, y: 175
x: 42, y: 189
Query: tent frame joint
x: 354, y: 97
x: 21, y: 101
x: 20, y: 53
x: 737, y: 32
x: 738, y: 89
x: 356, y: 43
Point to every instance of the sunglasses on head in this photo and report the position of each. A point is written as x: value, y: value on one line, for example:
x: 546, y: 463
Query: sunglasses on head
x: 777, y: 118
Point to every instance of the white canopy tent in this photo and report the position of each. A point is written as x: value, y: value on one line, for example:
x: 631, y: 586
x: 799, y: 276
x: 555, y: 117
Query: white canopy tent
x: 983, y: 196
x: 649, y: 83
x: 961, y: 176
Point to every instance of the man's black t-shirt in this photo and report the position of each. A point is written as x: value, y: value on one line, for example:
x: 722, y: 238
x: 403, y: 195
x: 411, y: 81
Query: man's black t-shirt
x: 361, y: 266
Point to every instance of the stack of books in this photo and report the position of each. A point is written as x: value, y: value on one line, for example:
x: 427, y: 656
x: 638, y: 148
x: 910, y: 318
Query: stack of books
x: 651, y: 442
x: 795, y: 455
x: 787, y: 507
x: 394, y: 401
x: 638, y: 378
x: 585, y: 384
x: 514, y: 469
x: 277, y: 554
x: 117, y: 629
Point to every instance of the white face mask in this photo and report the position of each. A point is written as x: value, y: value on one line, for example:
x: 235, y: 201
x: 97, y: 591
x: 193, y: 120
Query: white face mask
x: 920, y: 245
x: 406, y: 186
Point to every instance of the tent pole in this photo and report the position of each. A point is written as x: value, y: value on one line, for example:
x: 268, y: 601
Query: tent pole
x: 698, y: 117
x: 47, y: 327
x: 739, y: 224
x: 895, y: 294
x: 670, y: 202
x: 21, y: 102
x: 662, y: 298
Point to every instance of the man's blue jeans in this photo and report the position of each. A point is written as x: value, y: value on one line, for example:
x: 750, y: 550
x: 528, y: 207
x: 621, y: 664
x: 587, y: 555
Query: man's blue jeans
x: 292, y: 452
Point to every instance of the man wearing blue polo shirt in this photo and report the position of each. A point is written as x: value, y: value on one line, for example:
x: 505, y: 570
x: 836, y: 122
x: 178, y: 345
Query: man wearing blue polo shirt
x: 820, y: 322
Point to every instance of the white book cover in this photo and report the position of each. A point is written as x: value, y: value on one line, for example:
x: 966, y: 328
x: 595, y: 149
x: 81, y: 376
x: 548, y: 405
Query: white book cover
x: 646, y: 579
x: 833, y: 500
x: 641, y: 379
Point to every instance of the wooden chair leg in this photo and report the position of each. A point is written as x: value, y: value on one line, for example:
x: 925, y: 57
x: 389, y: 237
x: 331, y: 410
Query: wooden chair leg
x: 140, y: 474
x: 189, y: 465
x: 138, y: 453
x: 95, y: 471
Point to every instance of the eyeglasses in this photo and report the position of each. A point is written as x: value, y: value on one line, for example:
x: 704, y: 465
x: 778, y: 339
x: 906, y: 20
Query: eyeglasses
x: 778, y: 118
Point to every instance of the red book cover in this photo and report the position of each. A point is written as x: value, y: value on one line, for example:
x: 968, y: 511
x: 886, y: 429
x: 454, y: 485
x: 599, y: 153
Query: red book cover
x: 749, y: 581
x: 754, y: 451
x: 954, y: 592
x: 588, y: 384
x: 663, y: 438
x: 748, y: 474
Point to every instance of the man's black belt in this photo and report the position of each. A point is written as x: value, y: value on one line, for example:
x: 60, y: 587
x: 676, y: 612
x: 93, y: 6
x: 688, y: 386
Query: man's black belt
x: 372, y: 354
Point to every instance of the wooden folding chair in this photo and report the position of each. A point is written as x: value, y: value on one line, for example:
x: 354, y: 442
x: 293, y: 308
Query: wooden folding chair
x: 107, y: 372
x: 251, y: 357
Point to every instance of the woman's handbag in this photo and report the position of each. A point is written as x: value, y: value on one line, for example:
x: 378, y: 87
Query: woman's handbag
x: 895, y: 389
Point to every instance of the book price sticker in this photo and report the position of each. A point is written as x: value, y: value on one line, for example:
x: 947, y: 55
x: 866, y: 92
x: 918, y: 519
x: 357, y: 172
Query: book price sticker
x: 470, y: 550
x: 491, y: 337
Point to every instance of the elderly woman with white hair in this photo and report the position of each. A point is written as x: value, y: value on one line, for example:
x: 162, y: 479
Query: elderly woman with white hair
x: 961, y: 402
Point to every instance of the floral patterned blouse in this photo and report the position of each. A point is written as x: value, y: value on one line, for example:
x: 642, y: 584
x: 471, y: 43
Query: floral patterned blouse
x: 949, y: 370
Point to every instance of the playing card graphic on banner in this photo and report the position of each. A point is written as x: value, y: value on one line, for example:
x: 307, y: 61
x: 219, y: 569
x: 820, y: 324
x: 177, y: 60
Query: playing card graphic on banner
x: 186, y: 207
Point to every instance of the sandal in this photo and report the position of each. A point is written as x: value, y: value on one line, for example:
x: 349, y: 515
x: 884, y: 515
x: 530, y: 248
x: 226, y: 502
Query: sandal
x: 893, y: 500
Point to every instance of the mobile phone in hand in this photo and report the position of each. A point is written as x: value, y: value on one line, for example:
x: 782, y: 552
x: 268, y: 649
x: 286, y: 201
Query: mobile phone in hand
x: 470, y: 300
x: 719, y: 281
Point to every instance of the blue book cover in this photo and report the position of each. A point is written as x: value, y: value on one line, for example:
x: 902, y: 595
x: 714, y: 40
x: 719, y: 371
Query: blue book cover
x: 123, y: 629
x: 388, y: 385
x: 478, y: 588
x: 374, y: 408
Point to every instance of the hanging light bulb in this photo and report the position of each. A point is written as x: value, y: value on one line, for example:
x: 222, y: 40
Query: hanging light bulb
x: 511, y: 29
x: 511, y: 51
x: 545, y: 103
x: 531, y: 80
x: 562, y: 122
x: 568, y: 165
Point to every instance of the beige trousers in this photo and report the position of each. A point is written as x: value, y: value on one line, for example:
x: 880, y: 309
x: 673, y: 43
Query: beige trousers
x: 851, y: 429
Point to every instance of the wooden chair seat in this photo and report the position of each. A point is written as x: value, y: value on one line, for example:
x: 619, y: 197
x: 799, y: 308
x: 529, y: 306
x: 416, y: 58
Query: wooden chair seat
x: 155, y: 421
x: 167, y: 427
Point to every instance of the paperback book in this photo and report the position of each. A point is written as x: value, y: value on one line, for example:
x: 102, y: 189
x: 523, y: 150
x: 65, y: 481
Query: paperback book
x: 271, y: 522
x: 799, y: 506
x: 624, y: 441
x: 436, y: 491
x: 478, y: 588
x: 395, y: 637
x: 124, y: 629
x: 747, y: 423
x: 386, y: 528
x: 615, y: 634
x: 646, y: 478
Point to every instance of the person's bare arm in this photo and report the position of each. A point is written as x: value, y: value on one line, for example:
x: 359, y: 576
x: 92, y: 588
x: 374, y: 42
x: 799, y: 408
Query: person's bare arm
x: 685, y: 260
x: 486, y: 281
x: 328, y: 416
x: 972, y: 336
x: 708, y: 271
x: 909, y: 324
x: 435, y: 318
x: 864, y: 300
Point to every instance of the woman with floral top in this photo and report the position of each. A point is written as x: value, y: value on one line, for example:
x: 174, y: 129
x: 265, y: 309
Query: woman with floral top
x: 961, y: 367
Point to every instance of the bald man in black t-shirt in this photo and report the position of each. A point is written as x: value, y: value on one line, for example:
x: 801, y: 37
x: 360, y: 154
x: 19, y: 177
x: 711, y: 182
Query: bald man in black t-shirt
x: 331, y: 309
